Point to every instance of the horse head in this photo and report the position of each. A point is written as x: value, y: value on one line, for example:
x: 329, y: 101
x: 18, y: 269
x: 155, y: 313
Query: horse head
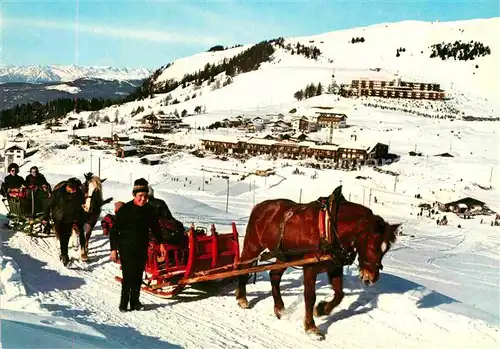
x: 372, y: 246
x: 92, y: 191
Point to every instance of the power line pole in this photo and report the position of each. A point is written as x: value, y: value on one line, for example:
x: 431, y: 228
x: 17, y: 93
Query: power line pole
x: 227, y: 196
x: 300, y: 196
x: 491, y: 174
x: 395, y: 181
x: 370, y: 198
x: 202, y: 179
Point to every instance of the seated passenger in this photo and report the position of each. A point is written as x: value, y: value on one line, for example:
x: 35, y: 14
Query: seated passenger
x: 37, y: 179
x: 12, y: 180
x: 172, y: 230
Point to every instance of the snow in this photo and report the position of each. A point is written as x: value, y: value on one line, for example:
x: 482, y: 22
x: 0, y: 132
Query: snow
x: 64, y: 88
x: 439, y: 287
x: 64, y: 73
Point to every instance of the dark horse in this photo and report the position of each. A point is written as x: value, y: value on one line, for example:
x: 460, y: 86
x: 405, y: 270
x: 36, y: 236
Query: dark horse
x: 330, y: 226
x: 93, y: 202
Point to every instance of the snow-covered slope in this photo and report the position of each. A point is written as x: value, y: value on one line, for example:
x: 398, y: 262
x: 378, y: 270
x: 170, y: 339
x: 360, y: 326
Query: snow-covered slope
x: 55, y: 73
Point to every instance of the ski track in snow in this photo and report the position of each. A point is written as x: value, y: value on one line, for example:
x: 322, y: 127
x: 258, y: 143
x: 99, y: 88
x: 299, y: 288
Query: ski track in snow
x: 89, y: 294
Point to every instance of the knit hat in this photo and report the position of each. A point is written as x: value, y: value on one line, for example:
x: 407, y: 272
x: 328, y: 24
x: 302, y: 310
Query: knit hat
x: 140, y: 186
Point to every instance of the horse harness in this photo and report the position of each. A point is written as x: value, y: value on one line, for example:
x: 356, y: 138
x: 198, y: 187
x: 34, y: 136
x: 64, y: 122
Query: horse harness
x: 327, y: 221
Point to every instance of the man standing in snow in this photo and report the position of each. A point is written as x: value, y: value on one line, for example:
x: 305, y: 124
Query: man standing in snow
x: 129, y: 237
x: 66, y: 207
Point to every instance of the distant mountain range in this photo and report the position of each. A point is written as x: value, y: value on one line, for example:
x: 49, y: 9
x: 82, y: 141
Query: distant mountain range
x: 20, y: 93
x: 19, y: 85
x: 56, y: 73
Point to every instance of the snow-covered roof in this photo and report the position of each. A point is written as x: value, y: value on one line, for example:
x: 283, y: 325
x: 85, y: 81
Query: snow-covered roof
x: 224, y: 139
x: 330, y: 147
x: 128, y: 148
x: 307, y: 144
x: 11, y: 144
x: 261, y: 141
x: 356, y: 145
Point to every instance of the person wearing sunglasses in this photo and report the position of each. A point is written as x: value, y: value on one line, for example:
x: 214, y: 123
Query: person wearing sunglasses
x: 12, y: 180
x: 66, y: 207
x: 35, y: 178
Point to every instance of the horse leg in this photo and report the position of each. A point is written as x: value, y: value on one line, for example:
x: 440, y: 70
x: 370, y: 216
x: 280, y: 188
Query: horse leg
x: 87, y: 228
x: 83, y: 243
x: 310, y: 327
x: 279, y: 306
x: 335, y: 276
x: 248, y: 253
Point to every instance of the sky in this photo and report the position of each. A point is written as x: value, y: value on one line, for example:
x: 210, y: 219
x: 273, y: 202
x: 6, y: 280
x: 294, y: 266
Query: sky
x: 150, y: 34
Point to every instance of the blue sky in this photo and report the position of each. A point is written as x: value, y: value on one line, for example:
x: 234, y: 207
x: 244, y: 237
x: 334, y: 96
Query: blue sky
x: 142, y: 33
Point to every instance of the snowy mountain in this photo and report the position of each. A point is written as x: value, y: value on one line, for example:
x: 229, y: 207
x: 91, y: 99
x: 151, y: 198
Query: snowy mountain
x: 384, y: 50
x: 55, y: 73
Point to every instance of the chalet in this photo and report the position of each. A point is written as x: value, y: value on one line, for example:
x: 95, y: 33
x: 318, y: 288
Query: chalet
x: 159, y: 123
x: 126, y: 151
x: 331, y: 119
x: 281, y: 126
x: 463, y: 205
x: 301, y: 124
x: 15, y: 152
x: 258, y: 123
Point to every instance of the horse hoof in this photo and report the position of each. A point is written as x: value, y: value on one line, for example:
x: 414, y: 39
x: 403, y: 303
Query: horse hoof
x: 319, y: 309
x: 243, y: 303
x: 314, y: 333
x: 279, y: 311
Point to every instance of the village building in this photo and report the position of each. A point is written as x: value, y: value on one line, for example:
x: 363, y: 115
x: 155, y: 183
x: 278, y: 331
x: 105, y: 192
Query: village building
x: 463, y: 205
x: 258, y: 123
x: 396, y: 88
x: 126, y: 151
x: 258, y: 146
x: 347, y: 153
x: 300, y: 123
x: 281, y: 126
x: 15, y: 151
x: 223, y: 144
x: 331, y: 119
x: 159, y: 123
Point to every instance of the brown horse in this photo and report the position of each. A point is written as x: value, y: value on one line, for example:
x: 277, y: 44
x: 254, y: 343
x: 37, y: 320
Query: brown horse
x: 93, y: 202
x: 292, y: 231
